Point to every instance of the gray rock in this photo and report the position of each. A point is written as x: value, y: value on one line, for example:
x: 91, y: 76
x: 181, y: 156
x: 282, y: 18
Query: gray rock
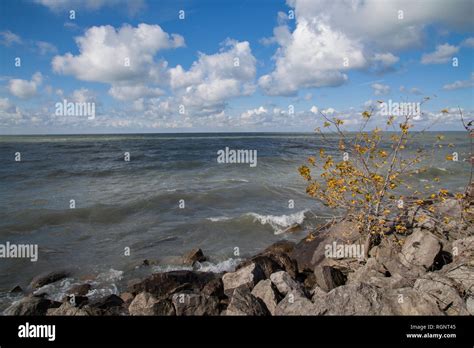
x: 31, y: 305
x: 145, y: 304
x: 48, y: 278
x: 443, y: 291
x: 283, y: 282
x: 463, y: 248
x: 243, y: 302
x: 247, y: 276
x: 387, y: 256
x: 462, y: 273
x: 328, y: 277
x: 195, y: 304
x: 264, y: 290
x: 295, y: 303
x: 408, y: 301
x: 420, y: 249
x: 449, y: 207
x: 353, y: 299
x: 470, y: 305
x: 310, y: 252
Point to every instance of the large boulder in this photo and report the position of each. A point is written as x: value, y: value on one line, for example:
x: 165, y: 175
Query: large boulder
x: 31, y: 305
x: 374, y: 273
x: 295, y: 303
x: 274, y: 258
x: 389, y: 257
x: 48, y: 278
x: 195, y: 304
x: 145, y: 304
x: 408, y: 301
x: 265, y: 291
x: 443, y: 291
x: 243, y: 302
x: 247, y: 276
x: 164, y: 284
x: 352, y: 299
x: 420, y: 249
x: 310, y: 252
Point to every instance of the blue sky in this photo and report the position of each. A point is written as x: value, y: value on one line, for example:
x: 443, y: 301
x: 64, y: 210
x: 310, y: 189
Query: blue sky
x: 294, y: 59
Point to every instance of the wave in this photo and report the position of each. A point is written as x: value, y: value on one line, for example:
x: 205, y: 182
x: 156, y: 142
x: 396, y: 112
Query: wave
x: 228, y: 265
x: 219, y: 218
x: 279, y: 223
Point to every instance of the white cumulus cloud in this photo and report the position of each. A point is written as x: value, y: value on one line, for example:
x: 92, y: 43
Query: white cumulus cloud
x: 23, y: 88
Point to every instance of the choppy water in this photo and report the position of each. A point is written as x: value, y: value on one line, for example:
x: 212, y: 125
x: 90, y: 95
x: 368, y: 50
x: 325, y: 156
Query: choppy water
x: 135, y: 204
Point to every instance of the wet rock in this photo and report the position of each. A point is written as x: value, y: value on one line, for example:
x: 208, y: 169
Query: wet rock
x: 195, y: 304
x: 16, y: 289
x: 145, y: 304
x: 195, y: 255
x: 75, y: 300
x: 165, y: 284
x: 242, y: 302
x: 420, y: 249
x: 80, y: 289
x: 265, y: 291
x: 31, y: 305
x: 282, y: 246
x: 107, y: 302
x: 443, y: 291
x: 48, y: 278
x: 247, y: 276
x: 284, y: 283
x: 328, y: 277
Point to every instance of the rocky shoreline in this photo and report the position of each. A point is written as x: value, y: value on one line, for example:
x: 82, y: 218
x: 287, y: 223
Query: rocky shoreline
x: 426, y: 270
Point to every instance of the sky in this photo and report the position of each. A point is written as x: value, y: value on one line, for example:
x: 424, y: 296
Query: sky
x: 231, y: 66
